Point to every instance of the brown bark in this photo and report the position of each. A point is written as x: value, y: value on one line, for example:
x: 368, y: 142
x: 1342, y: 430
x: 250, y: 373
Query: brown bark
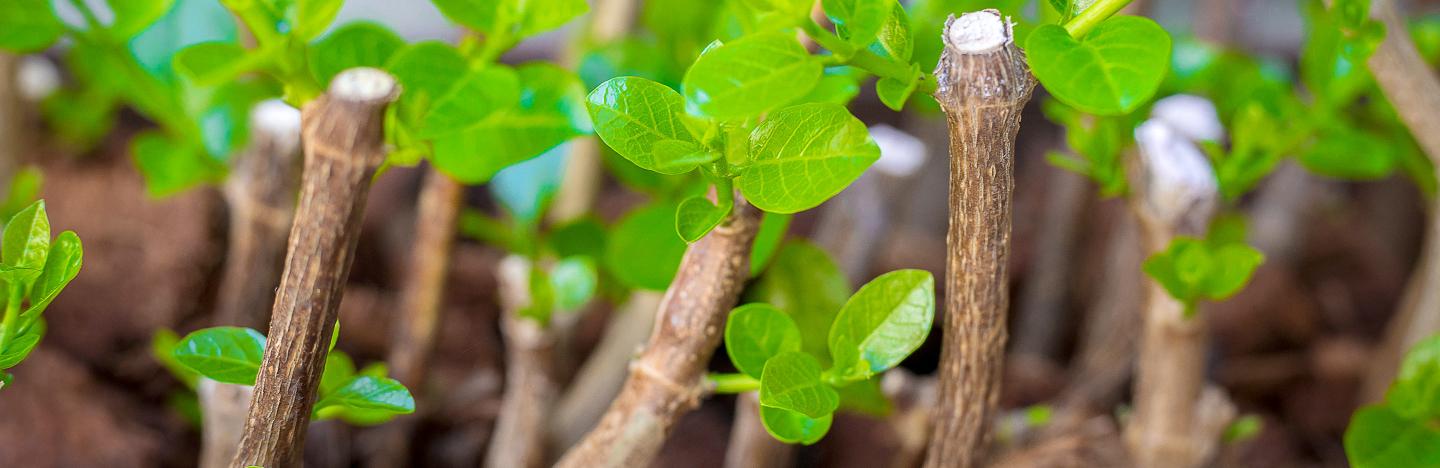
x: 530, y: 387
x: 1411, y: 86
x: 667, y: 380
x: 751, y: 446
x: 1172, y: 424
x: 260, y: 194
x: 600, y: 378
x: 421, y: 296
x: 982, y: 89
x: 343, y: 138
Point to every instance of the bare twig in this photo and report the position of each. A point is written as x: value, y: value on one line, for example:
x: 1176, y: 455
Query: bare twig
x: 1411, y: 86
x: 343, y: 137
x: 12, y: 119
x: 984, y: 84
x: 530, y: 388
x: 667, y: 379
x: 600, y: 378
x: 224, y: 407
x: 1175, y: 195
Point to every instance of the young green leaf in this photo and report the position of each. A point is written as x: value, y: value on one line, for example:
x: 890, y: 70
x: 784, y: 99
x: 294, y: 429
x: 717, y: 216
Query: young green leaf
x: 893, y: 93
x: 426, y: 71
x: 215, y: 62
x: 1111, y: 71
x: 162, y: 348
x: 543, y: 15
x: 223, y: 354
x: 792, y: 427
x: 171, y: 166
x: 792, y: 381
x: 806, y: 283
x: 1230, y: 268
x: 20, y: 345
x: 894, y: 40
x: 28, y: 25
x: 839, y: 85
x: 1347, y: 153
x: 857, y: 21
x: 1413, y: 394
x: 358, y: 44
x: 339, y: 370
x: 883, y: 322
x: 313, y: 16
x: 551, y: 111
x: 62, y: 264
x: 641, y: 120
x: 1193, y: 269
x: 133, y: 16
x: 474, y: 97
x: 573, y: 281
x: 643, y: 250
x: 185, y: 24
x: 26, y: 245
x: 1378, y: 437
x: 484, y: 16
x: 750, y: 76
x: 802, y: 155
x: 767, y: 239
x: 366, y: 392
x: 696, y: 216
x: 756, y: 332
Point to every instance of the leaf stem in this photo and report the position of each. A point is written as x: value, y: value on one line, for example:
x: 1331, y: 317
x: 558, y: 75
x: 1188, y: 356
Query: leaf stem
x: 1092, y: 16
x: 733, y: 383
x: 12, y: 315
x: 867, y: 60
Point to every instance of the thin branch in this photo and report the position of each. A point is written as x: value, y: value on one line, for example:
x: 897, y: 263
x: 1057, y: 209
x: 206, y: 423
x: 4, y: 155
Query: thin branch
x: 984, y: 84
x: 600, y: 378
x: 343, y: 142
x: 530, y: 387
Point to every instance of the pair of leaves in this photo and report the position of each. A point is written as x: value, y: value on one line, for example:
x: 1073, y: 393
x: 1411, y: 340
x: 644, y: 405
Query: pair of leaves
x: 233, y: 355
x: 518, y: 18
x: 879, y: 326
x: 1113, y: 70
x: 1193, y: 269
x: 35, y: 269
x: 1401, y: 431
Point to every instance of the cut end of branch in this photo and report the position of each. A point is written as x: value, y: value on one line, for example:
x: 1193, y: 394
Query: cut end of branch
x: 978, y: 32
x: 364, y: 84
x: 1177, y: 184
x: 901, y: 154
x: 1192, y: 116
x: 279, y: 122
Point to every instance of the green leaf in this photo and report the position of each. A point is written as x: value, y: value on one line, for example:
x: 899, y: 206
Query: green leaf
x: 1378, y: 437
x: 483, y: 16
x: 426, y: 71
x: 133, y: 16
x: 886, y: 320
x: 581, y: 237
x: 634, y: 116
x: 28, y: 25
x: 339, y: 370
x: 551, y: 111
x: 26, y: 244
x: 313, y: 16
x: 893, y: 93
x: 802, y: 155
x: 24, y: 190
x: 772, y: 14
x: 857, y: 21
x: 574, y: 281
x: 792, y: 381
x: 750, y: 76
x: 185, y: 24
x: 696, y: 216
x: 213, y: 63
x: 223, y: 354
x: 838, y: 85
x: 1192, y: 269
x: 1244, y: 428
x: 526, y: 189
x: 1116, y: 68
x: 62, y: 264
x: 162, y: 348
x: 895, y: 40
x: 627, y: 57
x: 643, y: 250
x: 20, y: 345
x: 1347, y: 153
x: 794, y: 428
x: 367, y: 392
x: 225, y: 119
x: 864, y: 397
x: 804, y: 282
x: 1230, y: 269
x: 540, y: 16
x: 1413, y: 395
x: 477, y: 95
x: 358, y: 44
x: 767, y: 239
x: 1065, y: 8
x: 171, y: 167
x: 754, y: 333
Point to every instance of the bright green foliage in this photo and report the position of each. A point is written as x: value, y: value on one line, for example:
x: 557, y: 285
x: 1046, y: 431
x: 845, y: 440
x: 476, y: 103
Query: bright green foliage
x: 1098, y: 143
x: 754, y: 333
x: 875, y: 329
x: 803, y: 155
x: 1346, y: 153
x: 223, y: 354
x: 28, y: 25
x: 360, y: 44
x: 696, y: 216
x: 525, y: 190
x: 805, y: 283
x: 643, y: 251
x: 857, y: 21
x: 162, y: 348
x: 1256, y: 147
x: 749, y: 76
x: 34, y: 269
x: 791, y: 380
x: 170, y: 166
x: 1243, y: 428
x: 1113, y: 70
x: 133, y: 16
x: 474, y: 97
x: 1193, y: 269
x: 1402, y: 430
x: 574, y: 281
x: 638, y: 118
x: 233, y: 355
x: 894, y: 40
x: 885, y: 321
x: 512, y: 19
x: 213, y: 63
x: 1337, y: 43
x: 767, y: 239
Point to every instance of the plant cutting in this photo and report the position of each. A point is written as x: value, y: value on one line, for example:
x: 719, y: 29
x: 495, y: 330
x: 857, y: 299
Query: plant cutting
x: 1400, y: 431
x: 342, y: 135
x: 35, y: 268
